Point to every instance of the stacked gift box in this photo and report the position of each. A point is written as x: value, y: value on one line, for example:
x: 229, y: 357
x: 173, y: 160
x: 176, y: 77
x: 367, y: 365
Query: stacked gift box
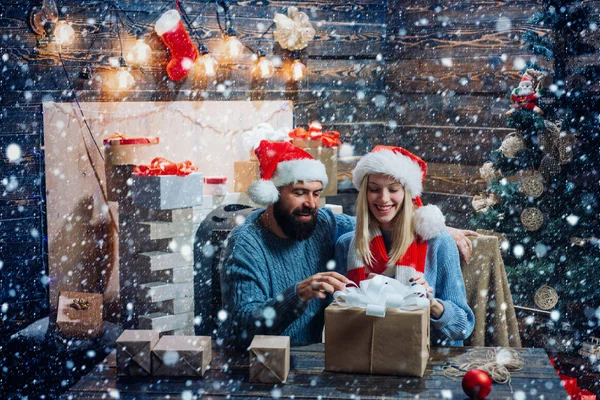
x: 145, y: 353
x: 156, y: 234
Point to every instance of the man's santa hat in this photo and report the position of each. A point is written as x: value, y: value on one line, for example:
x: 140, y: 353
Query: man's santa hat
x: 410, y: 171
x: 281, y: 164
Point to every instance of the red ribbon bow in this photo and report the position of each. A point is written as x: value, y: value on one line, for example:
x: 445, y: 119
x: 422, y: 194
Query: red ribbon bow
x: 315, y: 132
x: 162, y: 166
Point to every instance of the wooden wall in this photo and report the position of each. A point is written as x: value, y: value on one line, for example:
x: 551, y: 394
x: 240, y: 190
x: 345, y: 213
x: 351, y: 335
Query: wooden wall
x: 344, y: 77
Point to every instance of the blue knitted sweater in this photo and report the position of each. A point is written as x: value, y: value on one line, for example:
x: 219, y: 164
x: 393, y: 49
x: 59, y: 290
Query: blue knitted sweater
x: 260, y: 274
x: 443, y: 273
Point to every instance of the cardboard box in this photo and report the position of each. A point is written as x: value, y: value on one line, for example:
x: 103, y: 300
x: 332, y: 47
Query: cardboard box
x: 134, y: 351
x: 167, y: 192
x: 397, y: 344
x: 244, y: 173
x: 181, y: 356
x: 81, y: 319
x: 131, y: 151
x: 269, y: 359
x: 328, y: 156
x: 307, y: 143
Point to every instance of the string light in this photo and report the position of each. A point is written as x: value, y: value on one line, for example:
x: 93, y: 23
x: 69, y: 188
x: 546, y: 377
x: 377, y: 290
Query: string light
x: 263, y: 67
x: 206, y: 65
x: 140, y: 52
x: 233, y: 47
x: 298, y: 69
x: 64, y: 33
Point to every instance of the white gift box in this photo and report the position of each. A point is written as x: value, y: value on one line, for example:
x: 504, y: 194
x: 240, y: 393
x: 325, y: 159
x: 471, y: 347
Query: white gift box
x: 167, y: 192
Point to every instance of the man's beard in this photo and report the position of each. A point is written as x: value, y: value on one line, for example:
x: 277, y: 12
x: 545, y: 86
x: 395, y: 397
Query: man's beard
x: 291, y: 226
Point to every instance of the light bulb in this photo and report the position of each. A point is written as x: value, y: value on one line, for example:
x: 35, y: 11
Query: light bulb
x: 233, y: 47
x: 298, y: 70
x: 64, y: 33
x: 207, y: 65
x: 140, y: 53
x: 124, y: 79
x: 263, y: 67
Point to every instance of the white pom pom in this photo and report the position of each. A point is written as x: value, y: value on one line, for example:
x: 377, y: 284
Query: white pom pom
x: 429, y: 222
x: 166, y: 22
x: 263, y: 192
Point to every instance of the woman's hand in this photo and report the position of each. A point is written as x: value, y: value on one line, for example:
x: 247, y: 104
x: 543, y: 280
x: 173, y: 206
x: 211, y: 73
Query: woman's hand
x: 465, y: 247
x: 436, y: 308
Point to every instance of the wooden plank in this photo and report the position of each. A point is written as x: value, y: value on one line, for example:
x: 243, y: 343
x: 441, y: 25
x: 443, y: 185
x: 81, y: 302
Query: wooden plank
x: 449, y: 109
x: 467, y: 75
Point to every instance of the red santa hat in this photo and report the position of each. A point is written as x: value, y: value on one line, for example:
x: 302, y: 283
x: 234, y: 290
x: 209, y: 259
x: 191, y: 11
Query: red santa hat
x: 410, y: 171
x: 280, y: 164
x: 526, y: 78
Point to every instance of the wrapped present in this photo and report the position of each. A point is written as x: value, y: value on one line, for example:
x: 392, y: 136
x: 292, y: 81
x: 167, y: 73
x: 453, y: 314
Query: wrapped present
x: 244, y: 173
x: 122, y: 150
x: 323, y: 146
x: 174, y: 187
x: 380, y: 328
x: 269, y: 359
x: 181, y: 356
x: 122, y: 155
x: 79, y: 315
x: 134, y: 350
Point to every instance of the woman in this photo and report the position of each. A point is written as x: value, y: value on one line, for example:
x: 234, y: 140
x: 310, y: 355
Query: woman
x: 397, y: 236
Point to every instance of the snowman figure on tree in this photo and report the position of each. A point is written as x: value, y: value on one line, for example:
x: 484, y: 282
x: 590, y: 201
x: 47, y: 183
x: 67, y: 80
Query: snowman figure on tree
x: 525, y: 97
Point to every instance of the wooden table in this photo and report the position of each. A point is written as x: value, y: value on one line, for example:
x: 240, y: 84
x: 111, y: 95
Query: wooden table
x: 228, y: 376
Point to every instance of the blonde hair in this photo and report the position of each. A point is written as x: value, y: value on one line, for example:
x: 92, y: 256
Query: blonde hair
x: 403, y: 233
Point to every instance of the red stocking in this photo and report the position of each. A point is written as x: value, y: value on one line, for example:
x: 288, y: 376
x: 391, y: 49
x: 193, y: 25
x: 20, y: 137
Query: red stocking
x: 183, y: 51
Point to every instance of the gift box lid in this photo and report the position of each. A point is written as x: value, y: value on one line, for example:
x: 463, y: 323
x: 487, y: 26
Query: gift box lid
x: 130, y: 140
x: 215, y: 180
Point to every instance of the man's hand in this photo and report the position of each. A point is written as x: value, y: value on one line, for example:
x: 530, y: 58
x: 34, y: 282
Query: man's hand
x: 318, y: 285
x: 465, y: 247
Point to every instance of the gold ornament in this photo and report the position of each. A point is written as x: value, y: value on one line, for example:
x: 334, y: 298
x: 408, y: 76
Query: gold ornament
x: 482, y: 202
x: 565, y: 145
x: 512, y: 144
x: 549, y: 166
x: 532, y: 219
x: 532, y: 185
x: 488, y: 172
x: 546, y: 297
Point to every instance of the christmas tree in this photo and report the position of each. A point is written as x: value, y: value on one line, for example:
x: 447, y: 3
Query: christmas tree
x: 543, y: 181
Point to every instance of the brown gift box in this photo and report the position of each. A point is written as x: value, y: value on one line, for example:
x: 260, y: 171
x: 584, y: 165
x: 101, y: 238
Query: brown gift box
x: 79, y: 323
x: 328, y: 156
x: 181, y: 356
x: 307, y: 143
x: 397, y: 344
x: 269, y: 359
x: 134, y: 348
x: 244, y: 173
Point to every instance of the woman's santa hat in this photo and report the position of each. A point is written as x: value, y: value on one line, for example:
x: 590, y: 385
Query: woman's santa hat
x: 281, y: 164
x: 410, y: 171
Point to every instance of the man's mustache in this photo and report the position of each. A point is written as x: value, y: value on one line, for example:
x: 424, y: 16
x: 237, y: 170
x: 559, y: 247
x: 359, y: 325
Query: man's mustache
x: 306, y: 211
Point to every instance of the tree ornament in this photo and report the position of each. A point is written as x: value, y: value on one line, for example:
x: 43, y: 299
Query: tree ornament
x: 488, y: 172
x: 565, y: 144
x: 512, y: 144
x: 482, y: 202
x: 183, y: 50
x: 532, y: 219
x: 524, y: 97
x: 549, y: 166
x: 294, y: 31
x: 547, y: 139
x: 533, y: 185
x: 546, y: 297
x: 477, y: 384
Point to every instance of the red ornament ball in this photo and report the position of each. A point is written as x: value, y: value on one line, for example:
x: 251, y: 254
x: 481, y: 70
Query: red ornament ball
x: 477, y: 384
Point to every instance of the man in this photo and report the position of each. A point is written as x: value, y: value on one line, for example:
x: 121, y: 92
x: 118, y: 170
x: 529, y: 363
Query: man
x: 278, y: 268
